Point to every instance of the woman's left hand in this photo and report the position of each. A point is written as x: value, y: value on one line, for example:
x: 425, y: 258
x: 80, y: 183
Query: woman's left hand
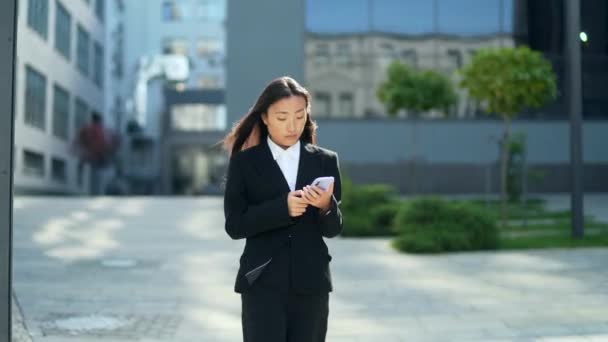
x: 318, y: 197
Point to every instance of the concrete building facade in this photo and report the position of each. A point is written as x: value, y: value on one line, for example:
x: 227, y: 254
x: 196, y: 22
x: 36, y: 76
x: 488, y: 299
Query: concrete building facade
x: 59, y: 81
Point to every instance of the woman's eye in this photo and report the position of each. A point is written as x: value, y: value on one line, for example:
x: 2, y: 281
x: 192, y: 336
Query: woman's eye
x: 301, y: 117
x: 281, y: 119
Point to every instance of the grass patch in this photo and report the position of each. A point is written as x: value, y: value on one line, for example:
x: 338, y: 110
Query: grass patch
x: 558, y: 225
x: 532, y: 209
x: 565, y: 241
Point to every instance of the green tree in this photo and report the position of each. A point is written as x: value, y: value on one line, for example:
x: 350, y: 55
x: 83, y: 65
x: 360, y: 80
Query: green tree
x: 416, y: 91
x: 506, y: 81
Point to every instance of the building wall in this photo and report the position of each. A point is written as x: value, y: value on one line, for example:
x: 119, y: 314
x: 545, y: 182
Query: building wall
x: 261, y: 46
x: 41, y: 54
x: 456, y: 156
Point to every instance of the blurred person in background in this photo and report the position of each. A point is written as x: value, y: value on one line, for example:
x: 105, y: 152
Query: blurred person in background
x: 284, y: 276
x: 96, y: 145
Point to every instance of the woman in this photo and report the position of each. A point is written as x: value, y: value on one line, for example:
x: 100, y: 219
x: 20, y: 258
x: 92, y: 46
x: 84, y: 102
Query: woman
x: 284, y: 277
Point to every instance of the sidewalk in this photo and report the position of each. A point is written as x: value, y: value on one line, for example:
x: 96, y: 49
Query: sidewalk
x: 162, y: 269
x: 19, y: 331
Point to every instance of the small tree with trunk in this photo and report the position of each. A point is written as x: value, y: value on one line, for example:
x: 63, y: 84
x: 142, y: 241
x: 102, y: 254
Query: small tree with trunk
x: 506, y: 81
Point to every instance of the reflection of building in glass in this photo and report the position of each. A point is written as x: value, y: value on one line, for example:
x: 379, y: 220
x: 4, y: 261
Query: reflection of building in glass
x: 343, y: 71
x: 347, y: 54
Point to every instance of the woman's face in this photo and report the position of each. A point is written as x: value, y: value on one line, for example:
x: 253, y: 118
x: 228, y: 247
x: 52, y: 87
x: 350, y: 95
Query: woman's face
x: 285, y: 120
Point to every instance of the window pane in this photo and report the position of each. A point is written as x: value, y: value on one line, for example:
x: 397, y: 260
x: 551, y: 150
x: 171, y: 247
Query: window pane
x: 198, y: 117
x: 98, y: 65
x: 35, y: 98
x: 81, y: 116
x: 63, y: 24
x: 118, y: 51
x: 211, y: 10
x: 61, y: 112
x: 171, y: 11
x: 346, y: 105
x: 59, y: 170
x: 209, y: 81
x: 99, y: 9
x: 83, y: 50
x: 470, y: 17
x: 208, y: 47
x: 322, y: 103
x: 38, y: 16
x: 33, y: 164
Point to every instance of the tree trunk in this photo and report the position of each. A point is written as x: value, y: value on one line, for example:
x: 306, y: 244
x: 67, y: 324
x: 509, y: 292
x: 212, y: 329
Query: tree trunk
x: 413, y: 170
x: 503, y: 170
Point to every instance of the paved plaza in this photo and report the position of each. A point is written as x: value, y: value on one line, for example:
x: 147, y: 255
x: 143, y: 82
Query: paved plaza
x: 162, y: 269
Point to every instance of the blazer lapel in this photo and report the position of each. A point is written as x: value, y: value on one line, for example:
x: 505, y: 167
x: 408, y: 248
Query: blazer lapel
x: 269, y: 169
x: 308, y: 167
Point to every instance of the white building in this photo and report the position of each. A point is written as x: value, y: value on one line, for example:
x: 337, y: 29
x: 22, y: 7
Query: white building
x: 59, y: 82
x: 194, y: 28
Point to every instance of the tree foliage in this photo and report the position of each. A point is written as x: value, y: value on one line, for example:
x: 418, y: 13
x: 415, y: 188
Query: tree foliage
x: 418, y: 91
x: 508, y: 80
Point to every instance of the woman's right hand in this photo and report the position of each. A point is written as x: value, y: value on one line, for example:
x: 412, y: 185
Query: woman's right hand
x: 296, y: 204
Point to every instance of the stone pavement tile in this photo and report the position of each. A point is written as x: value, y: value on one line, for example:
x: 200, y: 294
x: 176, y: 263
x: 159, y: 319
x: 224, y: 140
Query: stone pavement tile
x: 79, y: 339
x: 380, y: 338
x: 19, y: 330
x: 564, y: 339
x: 591, y: 328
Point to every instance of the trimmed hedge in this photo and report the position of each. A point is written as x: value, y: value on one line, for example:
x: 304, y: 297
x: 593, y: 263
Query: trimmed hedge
x: 369, y: 210
x: 431, y: 225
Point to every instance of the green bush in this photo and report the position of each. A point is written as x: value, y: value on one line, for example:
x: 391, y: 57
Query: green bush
x: 368, y: 210
x: 434, y: 225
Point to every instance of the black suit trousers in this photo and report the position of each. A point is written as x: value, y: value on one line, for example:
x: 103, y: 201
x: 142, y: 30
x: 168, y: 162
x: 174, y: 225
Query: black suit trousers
x: 274, y: 316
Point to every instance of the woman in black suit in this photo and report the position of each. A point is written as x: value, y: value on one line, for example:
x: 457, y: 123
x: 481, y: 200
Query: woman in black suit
x: 284, y: 277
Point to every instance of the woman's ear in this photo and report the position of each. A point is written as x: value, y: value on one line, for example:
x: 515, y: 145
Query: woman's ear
x: 265, y: 118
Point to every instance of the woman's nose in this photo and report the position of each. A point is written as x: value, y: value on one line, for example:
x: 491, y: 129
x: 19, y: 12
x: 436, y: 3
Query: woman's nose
x: 291, y: 125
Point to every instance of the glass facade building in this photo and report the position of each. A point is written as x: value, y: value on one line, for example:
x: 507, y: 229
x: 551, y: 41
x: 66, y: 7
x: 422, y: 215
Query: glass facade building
x: 350, y: 43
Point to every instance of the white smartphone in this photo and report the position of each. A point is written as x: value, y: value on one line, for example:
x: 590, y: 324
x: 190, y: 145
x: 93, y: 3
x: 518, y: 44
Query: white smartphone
x: 323, y: 182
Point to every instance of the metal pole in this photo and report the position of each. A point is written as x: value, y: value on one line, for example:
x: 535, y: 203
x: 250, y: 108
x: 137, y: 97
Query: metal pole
x: 524, y: 178
x: 573, y: 82
x: 370, y: 57
x: 8, y: 34
x: 435, y: 35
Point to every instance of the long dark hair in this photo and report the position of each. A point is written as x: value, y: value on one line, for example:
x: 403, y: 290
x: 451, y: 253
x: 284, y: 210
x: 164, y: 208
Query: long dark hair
x: 250, y: 130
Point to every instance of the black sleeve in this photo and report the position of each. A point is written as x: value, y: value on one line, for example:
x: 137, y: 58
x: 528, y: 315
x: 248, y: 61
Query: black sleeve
x: 331, y: 222
x: 243, y: 219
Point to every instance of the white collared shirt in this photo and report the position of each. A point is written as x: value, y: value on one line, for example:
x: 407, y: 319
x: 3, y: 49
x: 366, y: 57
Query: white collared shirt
x: 288, y: 160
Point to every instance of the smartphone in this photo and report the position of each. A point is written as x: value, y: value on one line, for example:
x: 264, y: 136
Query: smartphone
x: 323, y: 182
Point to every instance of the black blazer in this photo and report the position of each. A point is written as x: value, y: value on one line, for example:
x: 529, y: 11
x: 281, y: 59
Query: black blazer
x: 280, y: 249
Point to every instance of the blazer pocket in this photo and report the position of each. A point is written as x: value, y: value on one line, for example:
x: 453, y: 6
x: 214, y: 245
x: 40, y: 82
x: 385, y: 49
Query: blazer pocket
x: 256, y: 272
